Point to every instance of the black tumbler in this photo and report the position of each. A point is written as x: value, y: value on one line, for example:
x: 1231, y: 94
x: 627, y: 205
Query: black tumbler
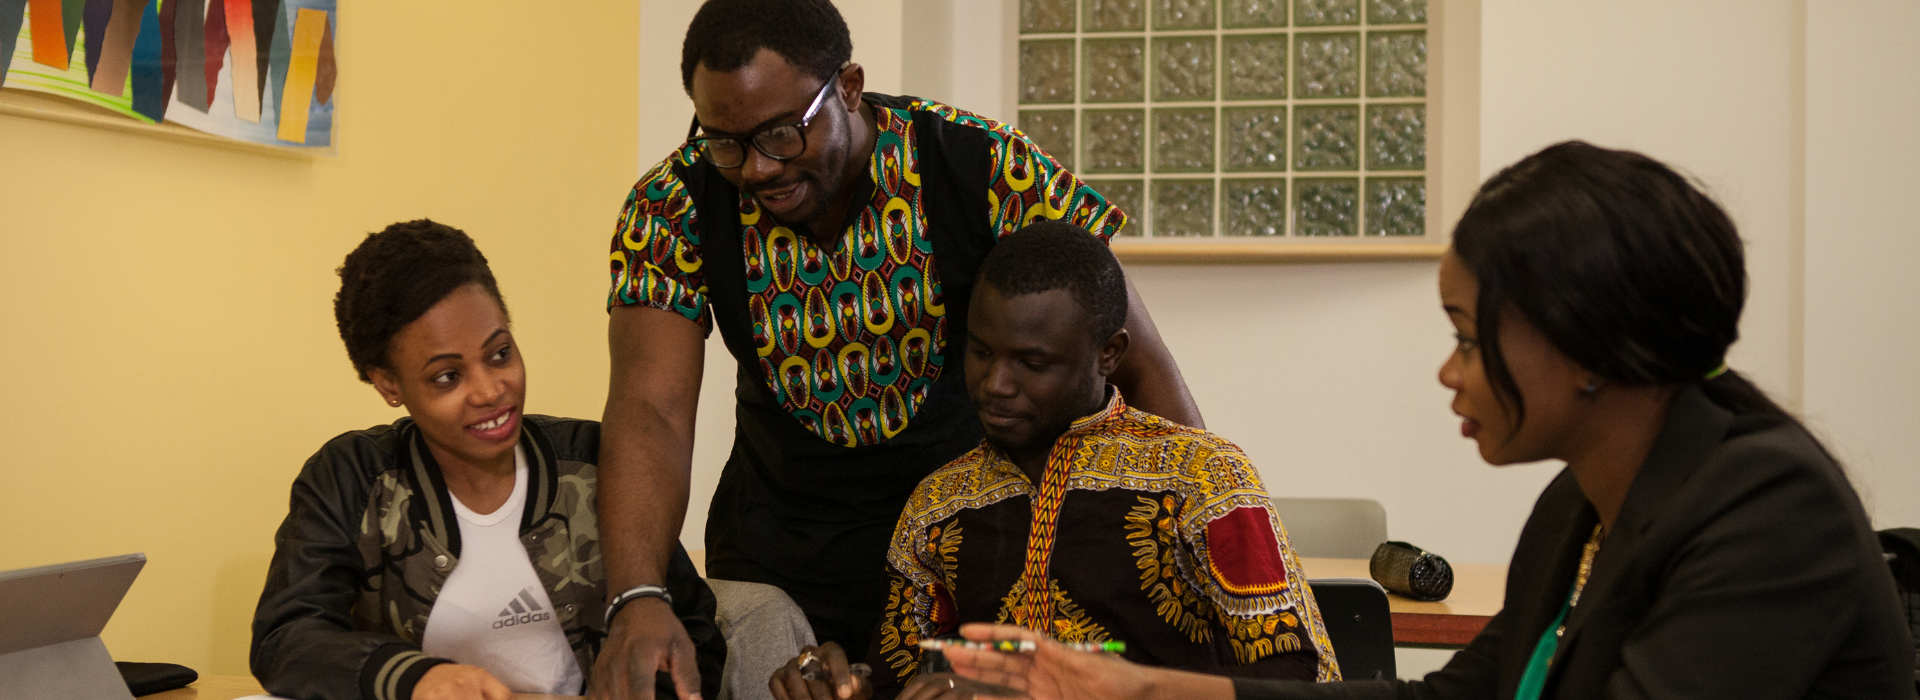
x: 935, y: 661
x: 1411, y: 571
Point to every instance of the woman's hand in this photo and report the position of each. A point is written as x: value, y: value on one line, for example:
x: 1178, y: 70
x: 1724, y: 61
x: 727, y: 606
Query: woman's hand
x: 459, y: 682
x: 834, y: 679
x: 1052, y: 672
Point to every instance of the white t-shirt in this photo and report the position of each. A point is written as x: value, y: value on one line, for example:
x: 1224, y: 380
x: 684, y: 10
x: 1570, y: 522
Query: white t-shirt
x: 494, y: 612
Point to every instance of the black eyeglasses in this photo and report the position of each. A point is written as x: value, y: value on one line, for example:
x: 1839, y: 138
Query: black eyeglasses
x: 779, y: 142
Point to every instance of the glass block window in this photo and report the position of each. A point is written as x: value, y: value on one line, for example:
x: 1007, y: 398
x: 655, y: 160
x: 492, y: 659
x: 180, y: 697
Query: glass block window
x: 1236, y: 118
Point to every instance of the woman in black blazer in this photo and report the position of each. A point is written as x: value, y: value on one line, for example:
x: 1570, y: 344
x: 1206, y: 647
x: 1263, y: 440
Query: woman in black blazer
x: 1700, y: 543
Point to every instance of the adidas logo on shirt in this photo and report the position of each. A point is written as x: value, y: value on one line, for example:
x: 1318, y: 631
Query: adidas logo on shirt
x: 521, y: 610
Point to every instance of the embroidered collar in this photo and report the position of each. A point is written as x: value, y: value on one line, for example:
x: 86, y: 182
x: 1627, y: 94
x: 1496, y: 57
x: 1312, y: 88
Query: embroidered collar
x: 1038, y: 602
x: 1115, y: 406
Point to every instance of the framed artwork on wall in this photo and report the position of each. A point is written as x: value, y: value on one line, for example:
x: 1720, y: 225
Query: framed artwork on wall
x: 260, y: 72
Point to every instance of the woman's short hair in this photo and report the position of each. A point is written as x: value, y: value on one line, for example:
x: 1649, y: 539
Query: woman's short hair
x: 1623, y: 263
x: 394, y: 277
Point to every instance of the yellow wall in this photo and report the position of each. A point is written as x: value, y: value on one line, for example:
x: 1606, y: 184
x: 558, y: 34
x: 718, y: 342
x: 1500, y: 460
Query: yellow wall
x: 167, y: 350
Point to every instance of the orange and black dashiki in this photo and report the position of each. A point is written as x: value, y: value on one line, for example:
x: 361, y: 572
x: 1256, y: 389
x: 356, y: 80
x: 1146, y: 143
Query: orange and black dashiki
x: 1142, y: 531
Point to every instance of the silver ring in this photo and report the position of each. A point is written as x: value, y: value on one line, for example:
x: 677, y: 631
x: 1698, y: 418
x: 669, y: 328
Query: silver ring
x: 949, y: 684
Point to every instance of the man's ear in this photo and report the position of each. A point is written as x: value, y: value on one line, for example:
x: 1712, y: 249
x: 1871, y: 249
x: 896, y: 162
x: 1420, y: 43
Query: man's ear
x: 1113, y: 351
x: 385, y: 383
x: 853, y: 83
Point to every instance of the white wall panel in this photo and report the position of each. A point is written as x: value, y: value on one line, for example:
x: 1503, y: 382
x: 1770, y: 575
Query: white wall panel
x: 1325, y: 373
x: 1863, y: 247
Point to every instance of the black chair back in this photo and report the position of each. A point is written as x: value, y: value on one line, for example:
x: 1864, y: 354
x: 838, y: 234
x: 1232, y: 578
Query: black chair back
x: 1358, y: 624
x: 1902, y: 548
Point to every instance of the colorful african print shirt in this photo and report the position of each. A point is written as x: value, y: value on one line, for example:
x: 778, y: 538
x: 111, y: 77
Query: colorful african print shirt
x: 849, y: 339
x: 1142, y: 531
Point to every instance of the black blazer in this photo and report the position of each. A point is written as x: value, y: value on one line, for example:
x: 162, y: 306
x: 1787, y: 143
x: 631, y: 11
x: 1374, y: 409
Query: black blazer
x: 1742, y: 566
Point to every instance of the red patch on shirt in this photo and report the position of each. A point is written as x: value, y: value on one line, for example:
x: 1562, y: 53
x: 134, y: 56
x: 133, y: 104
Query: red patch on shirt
x: 1244, y: 555
x: 945, y: 619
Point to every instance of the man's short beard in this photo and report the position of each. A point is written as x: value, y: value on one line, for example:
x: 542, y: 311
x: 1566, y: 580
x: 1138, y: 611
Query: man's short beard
x: 828, y: 189
x: 1048, y: 435
x: 820, y: 201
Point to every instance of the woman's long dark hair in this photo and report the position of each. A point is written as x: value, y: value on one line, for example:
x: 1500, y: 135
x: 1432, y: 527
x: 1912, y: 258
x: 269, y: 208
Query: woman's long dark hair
x: 1621, y: 262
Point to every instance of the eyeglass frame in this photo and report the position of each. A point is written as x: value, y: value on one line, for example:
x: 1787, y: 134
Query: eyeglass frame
x: 752, y: 137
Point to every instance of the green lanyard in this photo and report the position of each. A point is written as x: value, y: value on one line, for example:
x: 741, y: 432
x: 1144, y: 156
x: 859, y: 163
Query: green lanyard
x: 1534, y: 679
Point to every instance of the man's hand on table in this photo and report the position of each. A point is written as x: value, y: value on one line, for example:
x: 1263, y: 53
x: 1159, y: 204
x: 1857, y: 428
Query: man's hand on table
x: 835, y: 678
x: 946, y: 686
x: 459, y: 682
x: 646, y: 637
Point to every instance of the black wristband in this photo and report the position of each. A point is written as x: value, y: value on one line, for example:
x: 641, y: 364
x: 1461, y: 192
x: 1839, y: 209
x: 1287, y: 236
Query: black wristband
x: 633, y: 594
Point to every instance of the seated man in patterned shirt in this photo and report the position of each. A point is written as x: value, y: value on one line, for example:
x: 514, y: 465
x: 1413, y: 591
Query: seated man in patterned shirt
x: 1080, y: 516
x: 830, y: 237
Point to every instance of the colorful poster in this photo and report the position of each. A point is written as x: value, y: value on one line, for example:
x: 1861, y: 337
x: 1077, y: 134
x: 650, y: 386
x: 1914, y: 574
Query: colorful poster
x: 261, y: 71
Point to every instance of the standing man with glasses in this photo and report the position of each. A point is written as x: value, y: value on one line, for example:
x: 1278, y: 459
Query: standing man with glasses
x: 832, y: 236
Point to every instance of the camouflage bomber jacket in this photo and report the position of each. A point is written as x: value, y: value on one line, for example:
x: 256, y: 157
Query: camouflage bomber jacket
x: 361, y: 557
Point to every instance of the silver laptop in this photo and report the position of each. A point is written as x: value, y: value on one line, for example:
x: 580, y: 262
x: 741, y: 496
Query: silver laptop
x: 50, y: 637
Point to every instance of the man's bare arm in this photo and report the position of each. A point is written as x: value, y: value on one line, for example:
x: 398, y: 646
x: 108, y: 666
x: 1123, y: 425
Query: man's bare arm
x: 1148, y: 376
x: 646, y: 440
x: 646, y: 456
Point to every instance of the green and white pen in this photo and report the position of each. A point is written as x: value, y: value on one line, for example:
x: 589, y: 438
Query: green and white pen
x: 1026, y: 646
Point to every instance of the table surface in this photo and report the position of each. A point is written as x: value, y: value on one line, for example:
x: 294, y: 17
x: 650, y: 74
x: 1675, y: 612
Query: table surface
x: 230, y: 687
x: 1478, y: 589
x: 1478, y: 592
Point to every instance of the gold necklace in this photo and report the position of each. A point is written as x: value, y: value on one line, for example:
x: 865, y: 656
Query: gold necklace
x: 1580, y: 580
